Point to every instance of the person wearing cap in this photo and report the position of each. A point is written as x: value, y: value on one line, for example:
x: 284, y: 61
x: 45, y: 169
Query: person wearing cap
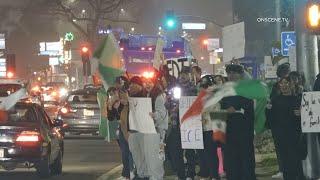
x: 239, y: 148
x: 136, y: 139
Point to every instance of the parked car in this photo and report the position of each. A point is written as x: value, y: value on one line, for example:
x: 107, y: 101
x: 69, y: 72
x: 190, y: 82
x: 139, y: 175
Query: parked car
x: 30, y: 139
x: 80, y: 112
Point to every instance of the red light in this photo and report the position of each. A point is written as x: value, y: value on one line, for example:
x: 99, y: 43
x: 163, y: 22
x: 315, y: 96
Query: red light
x: 64, y: 110
x: 143, y: 48
x: 148, y: 75
x: 150, y: 48
x: 85, y: 49
x: 178, y: 51
x: 205, y: 42
x: 28, y: 136
x: 10, y: 74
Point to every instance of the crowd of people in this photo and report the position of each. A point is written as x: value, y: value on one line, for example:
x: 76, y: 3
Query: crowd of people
x: 143, y: 155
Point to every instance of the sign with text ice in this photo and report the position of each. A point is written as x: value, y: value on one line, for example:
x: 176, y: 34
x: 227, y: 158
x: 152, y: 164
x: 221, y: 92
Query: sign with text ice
x: 310, y: 114
x: 191, y: 130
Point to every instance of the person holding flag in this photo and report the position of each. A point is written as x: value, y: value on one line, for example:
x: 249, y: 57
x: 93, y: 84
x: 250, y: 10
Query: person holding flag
x: 239, y: 148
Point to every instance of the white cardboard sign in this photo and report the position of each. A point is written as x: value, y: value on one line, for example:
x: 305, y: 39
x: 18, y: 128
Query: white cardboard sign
x: 191, y: 130
x: 139, y: 118
x: 310, y: 112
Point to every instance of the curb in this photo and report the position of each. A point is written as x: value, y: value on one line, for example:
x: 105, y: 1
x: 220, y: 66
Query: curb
x: 110, y: 173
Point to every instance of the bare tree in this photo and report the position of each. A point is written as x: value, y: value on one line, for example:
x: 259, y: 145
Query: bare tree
x: 87, y: 16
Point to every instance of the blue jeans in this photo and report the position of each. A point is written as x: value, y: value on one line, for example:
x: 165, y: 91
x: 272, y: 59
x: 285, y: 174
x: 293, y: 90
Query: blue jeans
x: 126, y: 156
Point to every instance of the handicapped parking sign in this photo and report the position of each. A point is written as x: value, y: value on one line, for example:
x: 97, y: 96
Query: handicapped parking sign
x: 288, y: 39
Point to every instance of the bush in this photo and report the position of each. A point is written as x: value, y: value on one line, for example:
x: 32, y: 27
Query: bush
x: 264, y: 143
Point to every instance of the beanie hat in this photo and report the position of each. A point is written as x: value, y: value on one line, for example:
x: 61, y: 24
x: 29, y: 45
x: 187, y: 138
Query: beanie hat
x: 234, y: 68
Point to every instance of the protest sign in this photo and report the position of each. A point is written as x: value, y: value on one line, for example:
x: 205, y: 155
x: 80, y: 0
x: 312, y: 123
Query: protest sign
x: 191, y: 130
x: 139, y: 118
x: 310, y: 114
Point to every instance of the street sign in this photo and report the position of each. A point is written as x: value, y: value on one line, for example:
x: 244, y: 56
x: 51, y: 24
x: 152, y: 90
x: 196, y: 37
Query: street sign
x: 288, y: 39
x: 213, y: 44
x: 275, y: 52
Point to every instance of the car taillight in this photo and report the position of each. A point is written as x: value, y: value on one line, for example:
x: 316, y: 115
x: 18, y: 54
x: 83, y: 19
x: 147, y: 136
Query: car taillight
x: 28, y: 138
x: 64, y: 110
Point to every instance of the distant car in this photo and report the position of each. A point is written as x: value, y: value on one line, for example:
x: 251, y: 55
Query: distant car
x: 52, y: 108
x: 80, y: 112
x: 29, y: 138
x: 9, y: 86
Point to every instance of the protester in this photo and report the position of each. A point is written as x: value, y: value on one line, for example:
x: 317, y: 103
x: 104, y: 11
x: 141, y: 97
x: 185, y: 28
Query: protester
x: 136, y: 139
x: 154, y: 143
x: 209, y: 162
x: 239, y: 148
x: 283, y: 70
x: 196, y: 73
x: 115, y: 108
x: 312, y: 163
x: 170, y: 80
x: 218, y: 80
x: 174, y: 146
x: 285, y: 121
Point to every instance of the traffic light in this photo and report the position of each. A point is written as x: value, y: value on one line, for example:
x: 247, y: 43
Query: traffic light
x: 85, y: 56
x: 11, y: 65
x: 313, y: 17
x: 170, y: 20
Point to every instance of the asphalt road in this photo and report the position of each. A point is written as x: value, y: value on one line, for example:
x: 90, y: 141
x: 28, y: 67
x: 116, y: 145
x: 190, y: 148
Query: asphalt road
x: 85, y: 158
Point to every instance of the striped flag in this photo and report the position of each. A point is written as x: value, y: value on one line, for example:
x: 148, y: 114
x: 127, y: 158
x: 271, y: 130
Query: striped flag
x: 110, y: 60
x: 251, y: 89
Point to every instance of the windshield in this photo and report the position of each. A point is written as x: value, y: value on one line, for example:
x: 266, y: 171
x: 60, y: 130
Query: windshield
x: 82, y: 98
x: 7, y: 89
x: 18, y: 114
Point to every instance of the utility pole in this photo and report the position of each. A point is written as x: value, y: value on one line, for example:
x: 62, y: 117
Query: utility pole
x: 306, y: 46
x: 278, y: 15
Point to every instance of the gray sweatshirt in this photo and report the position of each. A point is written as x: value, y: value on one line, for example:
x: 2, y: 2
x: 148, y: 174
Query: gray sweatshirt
x: 161, y: 116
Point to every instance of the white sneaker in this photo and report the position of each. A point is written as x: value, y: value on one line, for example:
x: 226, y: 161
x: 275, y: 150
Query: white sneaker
x: 132, y: 176
x: 189, y: 178
x: 223, y: 175
x: 279, y: 175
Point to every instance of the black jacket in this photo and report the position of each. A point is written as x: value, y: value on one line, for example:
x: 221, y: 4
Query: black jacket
x: 237, y: 123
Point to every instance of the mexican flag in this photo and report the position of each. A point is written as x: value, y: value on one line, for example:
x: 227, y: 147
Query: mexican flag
x: 110, y: 66
x: 110, y: 61
x: 251, y: 89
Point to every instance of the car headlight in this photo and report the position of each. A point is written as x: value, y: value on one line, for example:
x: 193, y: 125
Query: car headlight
x: 176, y: 92
x: 63, y: 92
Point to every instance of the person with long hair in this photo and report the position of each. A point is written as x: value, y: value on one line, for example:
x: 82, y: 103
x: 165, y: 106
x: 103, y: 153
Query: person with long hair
x: 154, y: 143
x: 285, y: 119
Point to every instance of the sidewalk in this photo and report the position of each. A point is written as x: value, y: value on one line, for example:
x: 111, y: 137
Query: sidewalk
x: 266, y: 166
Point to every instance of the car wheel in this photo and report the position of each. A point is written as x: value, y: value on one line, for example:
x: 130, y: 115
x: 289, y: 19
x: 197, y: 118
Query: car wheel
x: 56, y: 167
x: 43, y: 167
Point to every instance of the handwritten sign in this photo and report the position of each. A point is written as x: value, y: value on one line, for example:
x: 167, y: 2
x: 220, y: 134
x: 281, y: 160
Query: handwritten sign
x: 310, y: 112
x: 191, y: 130
x: 139, y: 118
